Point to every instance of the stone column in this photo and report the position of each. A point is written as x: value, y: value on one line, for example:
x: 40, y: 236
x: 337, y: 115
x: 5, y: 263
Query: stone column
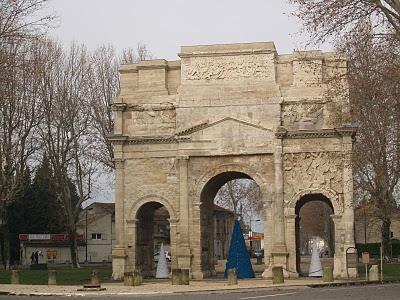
x: 196, y: 265
x: 268, y: 238
x: 118, y: 253
x: 131, y: 245
x: 291, y: 244
x: 279, y: 251
x: 339, y: 249
x: 173, y: 225
x: 348, y: 214
x: 183, y: 253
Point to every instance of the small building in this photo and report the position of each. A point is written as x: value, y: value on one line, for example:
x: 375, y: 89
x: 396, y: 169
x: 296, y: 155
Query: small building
x: 52, y: 248
x: 97, y: 225
x: 223, y: 225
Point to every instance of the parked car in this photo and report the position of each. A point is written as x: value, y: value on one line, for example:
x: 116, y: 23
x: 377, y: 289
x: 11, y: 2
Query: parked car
x: 157, y: 255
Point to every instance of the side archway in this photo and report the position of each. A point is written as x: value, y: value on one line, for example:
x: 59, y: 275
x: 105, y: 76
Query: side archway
x: 151, y: 217
x: 314, y: 225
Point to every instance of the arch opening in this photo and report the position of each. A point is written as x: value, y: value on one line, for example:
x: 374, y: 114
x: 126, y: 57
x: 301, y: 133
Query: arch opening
x: 226, y: 197
x: 314, y: 225
x: 152, y: 230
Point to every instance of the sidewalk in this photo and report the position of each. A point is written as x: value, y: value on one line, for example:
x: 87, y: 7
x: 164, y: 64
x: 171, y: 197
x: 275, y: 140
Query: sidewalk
x: 158, y: 287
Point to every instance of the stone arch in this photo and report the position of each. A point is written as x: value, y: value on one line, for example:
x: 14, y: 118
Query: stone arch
x: 209, y: 182
x: 231, y: 167
x: 331, y: 195
x: 299, y: 201
x: 151, y: 198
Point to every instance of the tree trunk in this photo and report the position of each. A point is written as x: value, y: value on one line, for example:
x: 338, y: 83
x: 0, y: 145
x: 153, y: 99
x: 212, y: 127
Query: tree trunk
x: 386, y: 237
x: 73, y: 249
x: 5, y: 247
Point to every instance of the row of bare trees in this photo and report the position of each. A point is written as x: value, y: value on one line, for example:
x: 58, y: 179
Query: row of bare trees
x: 55, y: 102
x: 369, y: 33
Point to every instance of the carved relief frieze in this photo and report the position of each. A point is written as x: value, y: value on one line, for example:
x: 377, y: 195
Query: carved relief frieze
x: 313, y: 171
x: 228, y: 67
x: 302, y: 113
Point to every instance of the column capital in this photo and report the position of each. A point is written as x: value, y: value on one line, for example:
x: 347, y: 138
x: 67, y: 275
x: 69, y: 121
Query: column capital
x: 182, y: 157
x: 119, y: 163
x: 291, y: 217
x: 132, y: 221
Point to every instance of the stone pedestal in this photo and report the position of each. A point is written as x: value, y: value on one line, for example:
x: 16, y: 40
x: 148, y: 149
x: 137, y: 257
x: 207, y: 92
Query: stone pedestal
x: 118, y: 264
x: 52, y: 277
x: 277, y: 275
x: 328, y: 274
x: 373, y: 273
x: 14, y: 276
x: 232, y: 278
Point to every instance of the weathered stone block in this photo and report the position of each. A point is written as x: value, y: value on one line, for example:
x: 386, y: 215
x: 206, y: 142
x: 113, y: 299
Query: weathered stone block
x: 328, y: 274
x: 232, y: 278
x: 373, y: 273
x: 277, y: 275
x: 52, y: 277
x: 14, y: 276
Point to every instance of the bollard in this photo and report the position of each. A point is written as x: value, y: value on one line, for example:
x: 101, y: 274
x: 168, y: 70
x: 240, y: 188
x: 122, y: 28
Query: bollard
x: 232, y: 278
x: 277, y: 275
x: 128, y: 278
x: 259, y: 260
x: 14, y: 276
x: 184, y: 280
x: 176, y: 276
x: 373, y: 273
x: 94, y: 278
x: 94, y: 284
x: 137, y: 278
x: 328, y: 274
x: 52, y: 277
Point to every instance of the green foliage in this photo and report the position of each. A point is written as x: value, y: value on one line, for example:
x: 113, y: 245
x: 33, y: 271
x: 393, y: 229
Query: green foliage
x: 374, y: 249
x: 36, y: 208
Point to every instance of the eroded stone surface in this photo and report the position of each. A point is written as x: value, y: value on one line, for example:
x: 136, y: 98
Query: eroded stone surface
x: 236, y: 110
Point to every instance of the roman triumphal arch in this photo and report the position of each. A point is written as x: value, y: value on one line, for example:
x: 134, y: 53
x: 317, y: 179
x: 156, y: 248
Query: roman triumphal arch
x: 184, y: 128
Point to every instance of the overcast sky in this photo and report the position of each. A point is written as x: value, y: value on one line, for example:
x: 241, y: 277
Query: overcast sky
x: 165, y: 25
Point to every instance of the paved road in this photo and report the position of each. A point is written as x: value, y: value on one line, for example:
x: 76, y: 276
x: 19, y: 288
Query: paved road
x: 386, y: 292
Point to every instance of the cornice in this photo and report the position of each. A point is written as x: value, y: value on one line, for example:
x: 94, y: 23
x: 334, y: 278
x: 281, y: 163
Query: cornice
x: 283, y: 133
x: 230, y: 53
x: 118, y: 106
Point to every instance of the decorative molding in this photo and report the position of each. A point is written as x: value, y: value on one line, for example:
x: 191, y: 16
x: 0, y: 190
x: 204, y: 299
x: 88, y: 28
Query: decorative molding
x: 228, y: 67
x: 118, y: 106
x: 225, y: 53
x: 206, y: 125
x: 151, y: 107
x: 119, y: 163
x: 322, y: 133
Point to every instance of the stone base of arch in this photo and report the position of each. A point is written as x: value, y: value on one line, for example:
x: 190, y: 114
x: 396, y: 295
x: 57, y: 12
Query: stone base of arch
x: 118, y: 262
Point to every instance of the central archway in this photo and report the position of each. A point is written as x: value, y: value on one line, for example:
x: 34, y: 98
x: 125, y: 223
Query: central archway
x: 216, y: 221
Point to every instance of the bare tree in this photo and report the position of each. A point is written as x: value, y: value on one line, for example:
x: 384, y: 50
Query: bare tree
x: 374, y: 77
x: 20, y: 19
x: 330, y: 19
x: 66, y: 131
x: 242, y: 196
x: 103, y: 89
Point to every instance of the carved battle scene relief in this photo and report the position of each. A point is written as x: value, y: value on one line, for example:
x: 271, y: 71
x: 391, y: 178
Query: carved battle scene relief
x: 313, y: 171
x: 295, y: 114
x: 229, y: 67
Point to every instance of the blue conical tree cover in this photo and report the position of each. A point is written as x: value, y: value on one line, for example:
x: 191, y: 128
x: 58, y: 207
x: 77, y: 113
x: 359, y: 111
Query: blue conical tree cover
x: 239, y: 257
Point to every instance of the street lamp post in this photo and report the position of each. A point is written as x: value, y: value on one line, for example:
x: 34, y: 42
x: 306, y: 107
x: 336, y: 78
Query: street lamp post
x: 251, y: 235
